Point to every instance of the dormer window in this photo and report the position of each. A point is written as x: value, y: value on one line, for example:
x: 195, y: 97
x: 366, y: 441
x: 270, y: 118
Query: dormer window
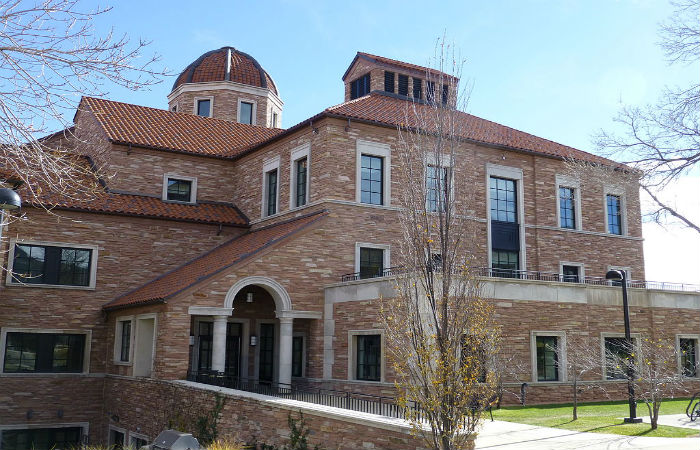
x: 360, y: 87
x: 389, y: 81
x: 403, y: 85
x: 178, y: 188
x: 204, y: 107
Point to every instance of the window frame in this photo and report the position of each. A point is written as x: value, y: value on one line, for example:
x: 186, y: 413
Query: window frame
x: 561, y: 355
x: 196, y: 105
x: 389, y: 75
x: 302, y: 335
x: 193, y: 188
x: 516, y: 174
x: 376, y: 149
x: 417, y: 88
x: 86, y: 350
x: 604, y: 367
x: 269, y: 166
x: 386, y: 255
x: 352, y: 355
x: 581, y: 270
x: 618, y: 192
x: 118, y: 329
x: 301, y: 152
x: 696, y: 338
x: 364, y: 81
x: 253, y: 112
x: 441, y: 161
x: 563, y: 181
x: 123, y: 431
x: 11, y: 282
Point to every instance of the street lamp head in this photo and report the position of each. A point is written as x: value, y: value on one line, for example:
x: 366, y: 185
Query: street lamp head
x: 615, y: 275
x: 9, y: 199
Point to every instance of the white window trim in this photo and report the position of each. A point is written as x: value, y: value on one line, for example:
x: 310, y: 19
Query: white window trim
x: 211, y: 105
x: 581, y: 266
x: 193, y: 189
x: 696, y: 337
x: 86, y: 354
x: 512, y: 173
x: 352, y: 354
x: 608, y: 190
x: 299, y: 153
x: 9, y: 281
x: 304, y: 339
x: 604, y: 368
x: 118, y: 341
x: 387, y: 253
x: 269, y: 166
x: 253, y: 120
x: 561, y: 354
x: 373, y: 149
x: 569, y: 182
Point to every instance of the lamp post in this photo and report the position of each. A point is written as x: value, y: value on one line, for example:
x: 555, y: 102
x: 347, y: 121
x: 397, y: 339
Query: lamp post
x: 619, y: 275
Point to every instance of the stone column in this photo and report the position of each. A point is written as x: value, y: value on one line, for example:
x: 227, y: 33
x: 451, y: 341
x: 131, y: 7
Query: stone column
x: 218, y: 351
x: 285, y: 351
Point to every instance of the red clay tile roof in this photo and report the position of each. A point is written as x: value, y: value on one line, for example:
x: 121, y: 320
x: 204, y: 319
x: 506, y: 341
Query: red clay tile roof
x: 211, y: 66
x: 393, y: 62
x: 212, y: 262
x: 126, y: 124
x: 391, y: 111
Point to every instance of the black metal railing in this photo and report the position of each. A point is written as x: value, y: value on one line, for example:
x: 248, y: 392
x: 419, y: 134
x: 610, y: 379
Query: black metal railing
x: 355, y: 401
x: 490, y: 272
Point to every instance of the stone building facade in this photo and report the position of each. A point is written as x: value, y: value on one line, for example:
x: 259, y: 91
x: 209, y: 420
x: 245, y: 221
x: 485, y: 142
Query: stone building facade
x: 224, y: 243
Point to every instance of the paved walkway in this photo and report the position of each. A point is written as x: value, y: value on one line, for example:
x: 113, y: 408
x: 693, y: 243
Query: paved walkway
x: 499, y: 435
x: 676, y: 420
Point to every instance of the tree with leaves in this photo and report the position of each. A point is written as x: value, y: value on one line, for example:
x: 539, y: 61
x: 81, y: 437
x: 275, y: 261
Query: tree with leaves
x: 439, y: 329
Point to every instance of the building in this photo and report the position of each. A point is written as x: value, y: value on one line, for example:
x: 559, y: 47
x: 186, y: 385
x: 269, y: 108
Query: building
x: 222, y: 242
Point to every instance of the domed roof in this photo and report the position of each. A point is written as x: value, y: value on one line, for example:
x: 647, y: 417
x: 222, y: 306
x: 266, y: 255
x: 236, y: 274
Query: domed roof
x: 226, y: 64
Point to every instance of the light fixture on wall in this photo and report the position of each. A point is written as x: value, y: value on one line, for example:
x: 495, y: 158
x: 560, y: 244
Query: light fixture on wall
x: 249, y: 297
x: 253, y: 340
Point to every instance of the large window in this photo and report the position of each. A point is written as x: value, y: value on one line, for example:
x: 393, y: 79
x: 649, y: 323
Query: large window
x: 52, y: 265
x: 245, y: 114
x: 301, y: 180
x: 371, y: 262
x: 688, y: 357
x: 503, y: 200
x: 389, y: 81
x: 618, y: 356
x: 368, y: 364
x: 372, y: 180
x: 271, y: 192
x: 547, y: 358
x: 42, y: 439
x: 204, y: 107
x: 567, y: 207
x: 360, y: 87
x: 436, y: 184
x: 614, y: 213
x: 44, y: 353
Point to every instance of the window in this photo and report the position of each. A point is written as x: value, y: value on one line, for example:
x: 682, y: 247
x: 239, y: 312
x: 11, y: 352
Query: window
x: 116, y: 439
x: 417, y: 85
x: 245, y: 113
x: 62, y: 438
x: 617, y: 357
x: 371, y: 262
x: 301, y: 180
x: 403, y: 85
x: 204, y: 107
x: 174, y: 108
x: 271, y: 191
x: 372, y: 183
x: 570, y: 273
x: 688, y: 356
x: 473, y: 357
x: 389, y: 81
x: 298, y: 356
x: 503, y: 202
x: 614, y: 213
x: 445, y: 93
x: 436, y: 183
x: 274, y: 119
x: 206, y: 338
x: 179, y: 190
x: 434, y: 263
x: 504, y: 263
x: 369, y: 357
x: 125, y: 340
x: 360, y: 87
x: 547, y: 358
x: 44, y: 353
x: 136, y: 442
x: 567, y: 211
x: 53, y: 265
x: 430, y: 91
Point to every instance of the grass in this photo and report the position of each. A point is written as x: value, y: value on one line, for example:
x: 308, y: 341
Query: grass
x: 603, y: 417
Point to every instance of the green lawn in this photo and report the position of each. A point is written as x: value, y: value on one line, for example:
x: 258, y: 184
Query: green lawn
x: 604, y: 417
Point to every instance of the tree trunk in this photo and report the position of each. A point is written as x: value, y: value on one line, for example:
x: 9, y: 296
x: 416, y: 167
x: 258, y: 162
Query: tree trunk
x: 575, y: 400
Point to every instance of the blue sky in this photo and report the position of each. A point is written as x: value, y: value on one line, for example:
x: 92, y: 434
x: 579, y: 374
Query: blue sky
x: 557, y: 69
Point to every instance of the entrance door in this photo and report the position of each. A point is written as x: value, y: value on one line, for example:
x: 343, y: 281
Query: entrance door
x: 267, y: 350
x: 233, y: 349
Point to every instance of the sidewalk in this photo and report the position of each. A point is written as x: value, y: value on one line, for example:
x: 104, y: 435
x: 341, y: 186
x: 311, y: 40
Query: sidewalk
x: 500, y: 435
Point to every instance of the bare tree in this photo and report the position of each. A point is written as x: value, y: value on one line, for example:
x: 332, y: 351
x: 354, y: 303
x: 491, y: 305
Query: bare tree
x: 50, y: 55
x: 439, y: 329
x: 582, y: 364
x: 663, y: 140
